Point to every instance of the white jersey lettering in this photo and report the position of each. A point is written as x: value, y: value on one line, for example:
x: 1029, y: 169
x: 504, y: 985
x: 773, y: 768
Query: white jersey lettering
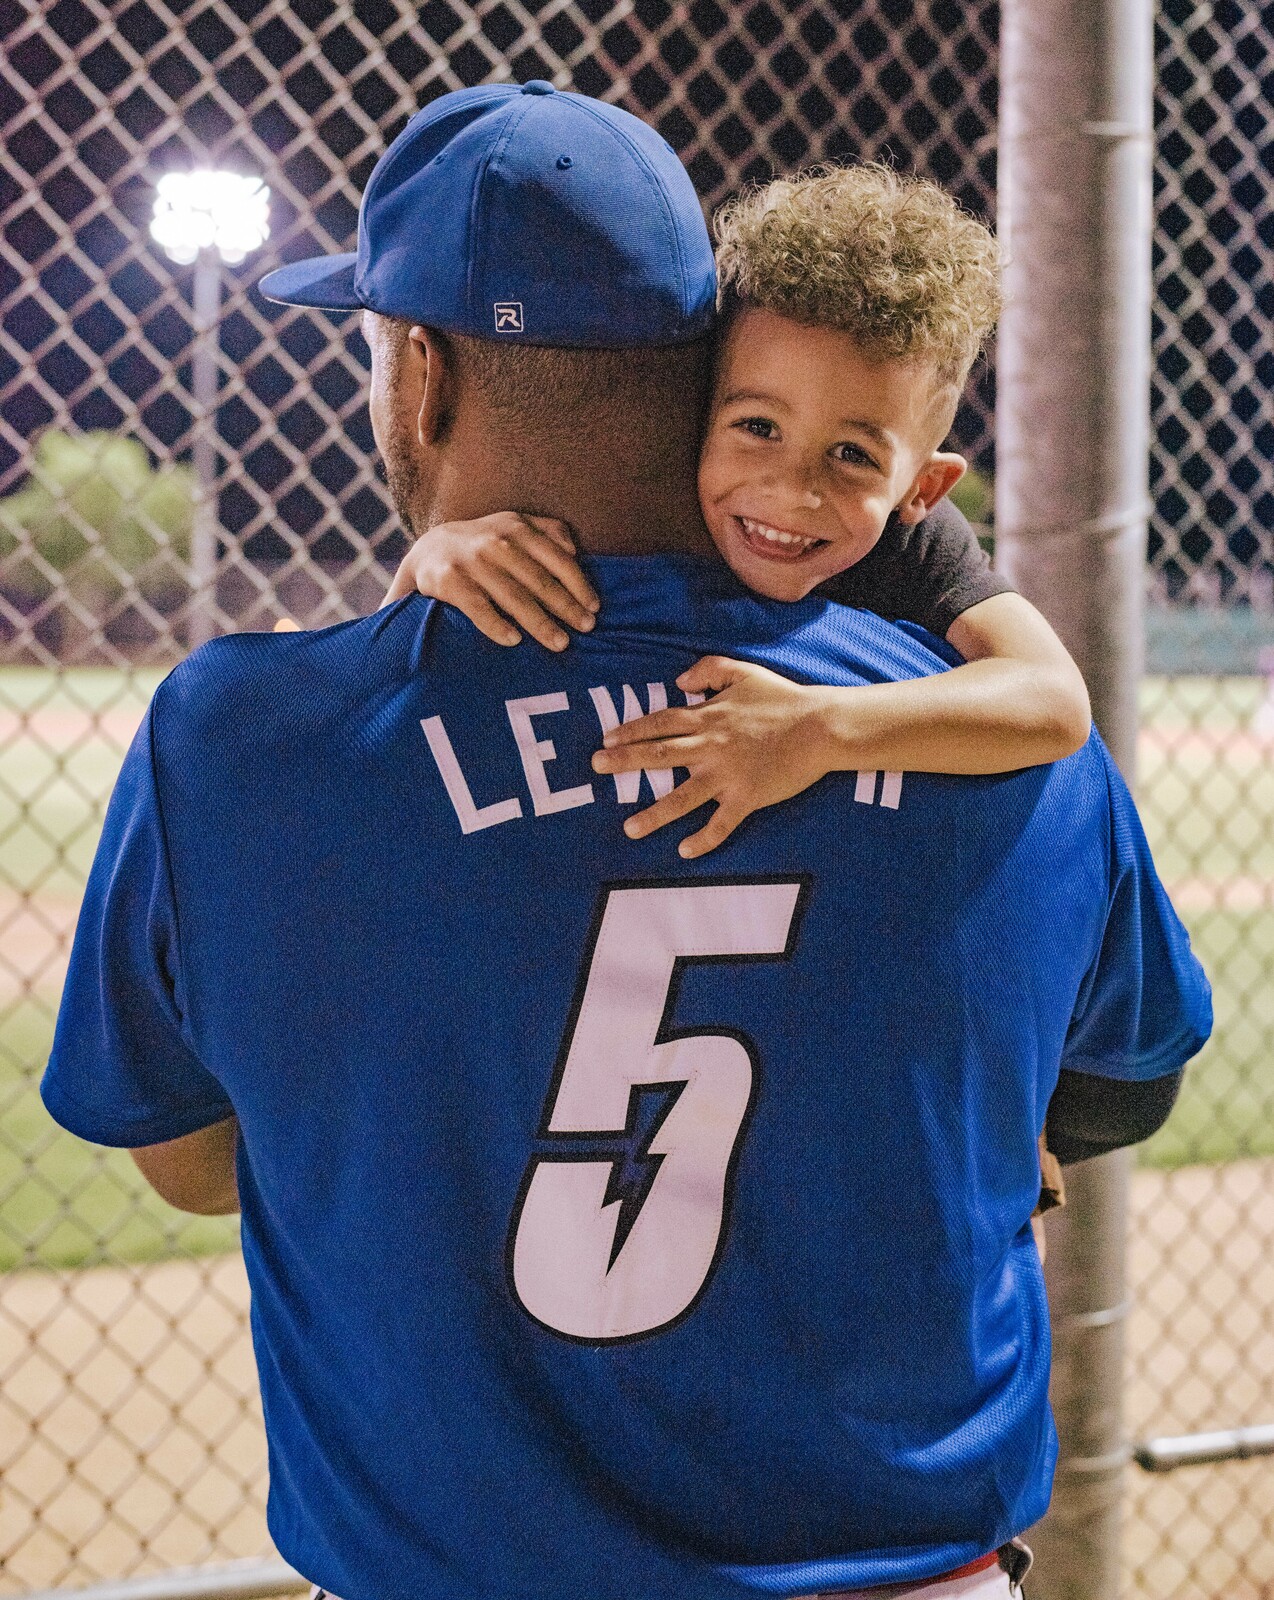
x: 628, y: 784
x: 537, y: 753
x: 458, y: 792
x: 592, y: 1258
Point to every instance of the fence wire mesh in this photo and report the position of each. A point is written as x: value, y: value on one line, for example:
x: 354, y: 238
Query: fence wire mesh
x: 130, y: 1436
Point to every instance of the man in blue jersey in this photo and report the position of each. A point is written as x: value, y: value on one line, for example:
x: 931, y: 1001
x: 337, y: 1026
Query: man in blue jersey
x: 617, y: 1226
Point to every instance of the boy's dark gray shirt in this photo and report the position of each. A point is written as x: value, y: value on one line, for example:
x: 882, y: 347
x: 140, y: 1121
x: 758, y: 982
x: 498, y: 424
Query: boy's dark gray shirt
x: 928, y: 574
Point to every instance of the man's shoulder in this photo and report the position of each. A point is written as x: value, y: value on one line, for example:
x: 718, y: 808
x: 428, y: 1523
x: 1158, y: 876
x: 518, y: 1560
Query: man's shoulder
x: 697, y: 604
x: 249, y: 682
x: 834, y: 643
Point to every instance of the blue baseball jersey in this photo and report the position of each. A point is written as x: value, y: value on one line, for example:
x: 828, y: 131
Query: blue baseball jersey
x: 616, y: 1225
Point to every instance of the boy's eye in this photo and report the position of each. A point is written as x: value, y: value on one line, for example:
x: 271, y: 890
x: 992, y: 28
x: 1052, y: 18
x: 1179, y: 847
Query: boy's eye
x: 758, y: 427
x: 853, y: 455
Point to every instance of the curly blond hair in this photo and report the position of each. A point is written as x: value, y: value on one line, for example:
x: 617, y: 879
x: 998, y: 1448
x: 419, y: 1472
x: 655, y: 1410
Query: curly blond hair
x: 891, y: 260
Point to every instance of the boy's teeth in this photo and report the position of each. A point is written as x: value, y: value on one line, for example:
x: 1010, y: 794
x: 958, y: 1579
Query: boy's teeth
x: 774, y: 535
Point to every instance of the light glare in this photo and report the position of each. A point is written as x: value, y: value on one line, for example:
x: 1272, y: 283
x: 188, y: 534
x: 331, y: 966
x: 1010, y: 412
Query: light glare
x: 203, y: 210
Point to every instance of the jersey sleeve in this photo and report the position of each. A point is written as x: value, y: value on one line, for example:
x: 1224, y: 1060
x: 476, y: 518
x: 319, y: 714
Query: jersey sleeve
x: 123, y: 1070
x: 1145, y: 1006
x: 929, y: 573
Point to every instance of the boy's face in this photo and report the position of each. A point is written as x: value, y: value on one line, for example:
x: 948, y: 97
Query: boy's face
x: 809, y: 448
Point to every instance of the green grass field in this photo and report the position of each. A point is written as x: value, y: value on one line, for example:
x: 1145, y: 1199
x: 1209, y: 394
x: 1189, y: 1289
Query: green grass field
x: 1206, y: 791
x: 63, y: 1203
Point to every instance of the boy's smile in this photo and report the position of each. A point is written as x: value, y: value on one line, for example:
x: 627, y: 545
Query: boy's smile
x: 810, y: 446
x: 775, y: 544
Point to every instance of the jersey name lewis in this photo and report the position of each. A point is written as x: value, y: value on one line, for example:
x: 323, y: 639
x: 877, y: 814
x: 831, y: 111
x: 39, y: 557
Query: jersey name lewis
x: 528, y: 726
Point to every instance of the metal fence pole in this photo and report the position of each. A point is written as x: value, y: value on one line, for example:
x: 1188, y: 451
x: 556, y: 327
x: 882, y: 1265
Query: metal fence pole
x: 1071, y: 518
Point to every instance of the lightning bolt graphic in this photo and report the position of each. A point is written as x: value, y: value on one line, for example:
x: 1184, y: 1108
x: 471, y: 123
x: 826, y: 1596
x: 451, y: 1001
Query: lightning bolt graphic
x: 634, y: 1168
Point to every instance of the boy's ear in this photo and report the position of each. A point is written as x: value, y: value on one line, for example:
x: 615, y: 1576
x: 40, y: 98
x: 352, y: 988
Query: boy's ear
x: 939, y: 475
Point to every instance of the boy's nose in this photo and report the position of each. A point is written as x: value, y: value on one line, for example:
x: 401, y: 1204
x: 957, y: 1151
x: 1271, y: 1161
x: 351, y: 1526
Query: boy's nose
x: 812, y: 500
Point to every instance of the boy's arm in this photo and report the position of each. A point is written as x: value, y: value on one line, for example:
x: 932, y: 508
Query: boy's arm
x: 762, y: 738
x: 1023, y: 705
x: 1022, y: 678
x: 1018, y: 701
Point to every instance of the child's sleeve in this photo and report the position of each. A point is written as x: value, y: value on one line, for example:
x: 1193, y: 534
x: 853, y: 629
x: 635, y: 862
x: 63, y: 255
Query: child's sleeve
x: 928, y: 573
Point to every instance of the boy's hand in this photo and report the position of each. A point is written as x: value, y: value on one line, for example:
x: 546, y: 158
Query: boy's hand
x: 759, y: 740
x: 500, y: 570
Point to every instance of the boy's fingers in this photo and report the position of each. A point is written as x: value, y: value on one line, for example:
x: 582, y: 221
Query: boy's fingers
x: 719, y: 827
x: 522, y: 607
x: 401, y: 585
x: 535, y: 576
x: 559, y: 532
x: 712, y: 673
x: 675, y: 723
x: 475, y: 604
x: 650, y: 756
x: 684, y: 799
x: 561, y: 561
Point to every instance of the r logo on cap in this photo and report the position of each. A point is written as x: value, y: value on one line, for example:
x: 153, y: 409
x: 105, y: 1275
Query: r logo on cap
x: 508, y: 316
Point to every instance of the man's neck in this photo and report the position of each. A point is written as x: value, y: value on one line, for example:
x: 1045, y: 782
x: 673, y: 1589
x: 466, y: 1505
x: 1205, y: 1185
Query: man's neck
x: 613, y: 510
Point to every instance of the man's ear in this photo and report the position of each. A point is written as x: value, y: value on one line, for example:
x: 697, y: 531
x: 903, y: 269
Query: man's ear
x: 437, y: 385
x: 939, y: 475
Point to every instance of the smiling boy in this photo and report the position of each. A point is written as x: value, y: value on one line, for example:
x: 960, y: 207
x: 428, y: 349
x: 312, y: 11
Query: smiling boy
x: 853, y: 302
x: 796, y: 487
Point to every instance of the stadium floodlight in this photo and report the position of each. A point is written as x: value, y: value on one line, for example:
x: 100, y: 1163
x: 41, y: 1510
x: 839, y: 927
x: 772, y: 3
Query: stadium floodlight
x: 207, y: 219
x: 203, y: 210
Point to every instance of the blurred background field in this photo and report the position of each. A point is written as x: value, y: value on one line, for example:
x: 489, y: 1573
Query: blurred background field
x: 1205, y: 788
x: 1207, y: 792
x: 62, y: 737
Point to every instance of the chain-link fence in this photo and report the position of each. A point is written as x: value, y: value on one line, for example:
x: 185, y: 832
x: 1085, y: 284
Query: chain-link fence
x: 1202, y: 1250
x: 129, y: 1432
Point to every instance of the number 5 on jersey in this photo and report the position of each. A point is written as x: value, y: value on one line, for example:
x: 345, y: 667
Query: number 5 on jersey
x: 590, y: 1258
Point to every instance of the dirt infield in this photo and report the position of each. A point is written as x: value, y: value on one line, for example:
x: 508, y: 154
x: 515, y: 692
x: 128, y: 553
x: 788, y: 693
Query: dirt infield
x: 130, y: 1433
x: 151, y: 1455
x: 35, y: 941
x: 1201, y: 1339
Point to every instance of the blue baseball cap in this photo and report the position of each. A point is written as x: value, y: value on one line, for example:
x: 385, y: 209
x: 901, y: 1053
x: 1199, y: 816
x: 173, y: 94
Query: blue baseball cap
x: 519, y: 212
